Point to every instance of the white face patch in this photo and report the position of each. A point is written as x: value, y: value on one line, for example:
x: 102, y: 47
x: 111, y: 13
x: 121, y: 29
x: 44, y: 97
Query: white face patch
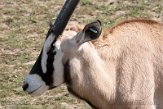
x: 58, y: 75
x: 46, y: 48
x: 36, y: 86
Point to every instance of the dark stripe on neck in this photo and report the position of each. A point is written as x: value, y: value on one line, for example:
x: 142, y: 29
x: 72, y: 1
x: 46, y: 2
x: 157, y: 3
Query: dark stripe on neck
x: 67, y: 76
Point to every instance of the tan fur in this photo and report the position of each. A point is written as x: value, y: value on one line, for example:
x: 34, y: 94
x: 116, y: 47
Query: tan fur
x: 123, y: 69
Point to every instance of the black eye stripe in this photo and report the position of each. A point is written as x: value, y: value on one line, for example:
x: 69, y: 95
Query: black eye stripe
x: 52, y: 51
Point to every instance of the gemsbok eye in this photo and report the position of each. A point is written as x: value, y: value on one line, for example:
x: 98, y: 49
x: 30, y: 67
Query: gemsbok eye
x: 51, y: 52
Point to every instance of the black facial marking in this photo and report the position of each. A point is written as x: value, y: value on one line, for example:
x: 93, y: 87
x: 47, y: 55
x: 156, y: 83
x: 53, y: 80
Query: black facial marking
x: 50, y: 68
x: 47, y: 77
x: 37, y: 69
x: 51, y: 53
x: 67, y: 77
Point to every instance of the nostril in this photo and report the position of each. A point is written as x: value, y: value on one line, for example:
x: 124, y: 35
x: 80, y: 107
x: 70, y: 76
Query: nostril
x: 25, y: 86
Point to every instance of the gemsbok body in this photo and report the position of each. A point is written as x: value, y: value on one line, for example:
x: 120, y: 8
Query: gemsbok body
x: 117, y: 68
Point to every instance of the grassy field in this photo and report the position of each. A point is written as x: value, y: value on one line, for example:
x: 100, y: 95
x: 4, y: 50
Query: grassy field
x: 23, y: 26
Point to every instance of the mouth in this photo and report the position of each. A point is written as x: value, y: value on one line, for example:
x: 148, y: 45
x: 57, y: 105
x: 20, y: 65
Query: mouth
x: 34, y: 90
x: 52, y: 87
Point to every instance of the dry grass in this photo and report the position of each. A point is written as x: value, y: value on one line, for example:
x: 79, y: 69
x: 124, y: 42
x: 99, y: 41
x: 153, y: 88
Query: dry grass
x: 23, y: 26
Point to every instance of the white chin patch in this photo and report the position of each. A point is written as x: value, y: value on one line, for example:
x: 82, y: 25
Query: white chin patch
x: 36, y: 86
x: 40, y: 90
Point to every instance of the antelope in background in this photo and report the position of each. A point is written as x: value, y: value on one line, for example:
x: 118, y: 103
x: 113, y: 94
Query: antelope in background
x: 118, y: 68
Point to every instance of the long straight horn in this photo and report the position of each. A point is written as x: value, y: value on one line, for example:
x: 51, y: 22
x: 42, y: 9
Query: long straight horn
x: 64, y: 16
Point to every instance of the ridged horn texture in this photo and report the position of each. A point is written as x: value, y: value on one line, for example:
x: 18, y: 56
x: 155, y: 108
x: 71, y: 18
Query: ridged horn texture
x: 64, y: 16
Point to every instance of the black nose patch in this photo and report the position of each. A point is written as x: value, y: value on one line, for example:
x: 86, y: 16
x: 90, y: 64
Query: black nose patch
x: 25, y: 86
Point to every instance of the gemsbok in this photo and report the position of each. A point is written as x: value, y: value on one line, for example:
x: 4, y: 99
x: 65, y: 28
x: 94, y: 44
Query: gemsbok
x: 117, y: 68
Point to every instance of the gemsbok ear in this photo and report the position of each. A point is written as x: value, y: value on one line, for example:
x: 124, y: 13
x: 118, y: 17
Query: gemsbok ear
x: 90, y: 32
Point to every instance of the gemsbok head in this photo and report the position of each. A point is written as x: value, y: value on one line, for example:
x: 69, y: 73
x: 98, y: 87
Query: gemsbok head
x: 41, y: 77
x: 117, y: 68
